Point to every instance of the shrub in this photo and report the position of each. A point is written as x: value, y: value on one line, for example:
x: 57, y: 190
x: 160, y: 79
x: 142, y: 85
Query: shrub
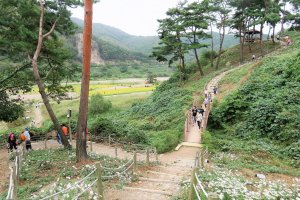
x: 99, y: 105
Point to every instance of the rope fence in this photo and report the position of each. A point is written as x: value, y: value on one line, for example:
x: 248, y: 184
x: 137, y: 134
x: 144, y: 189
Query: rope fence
x: 95, y: 177
x: 197, y: 190
x: 14, y: 177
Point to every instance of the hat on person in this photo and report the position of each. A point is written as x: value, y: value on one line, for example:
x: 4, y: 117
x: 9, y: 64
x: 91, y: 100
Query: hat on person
x: 26, y: 129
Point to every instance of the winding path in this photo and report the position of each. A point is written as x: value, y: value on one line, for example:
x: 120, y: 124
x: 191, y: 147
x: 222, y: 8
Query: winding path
x: 155, y: 182
x: 163, y: 182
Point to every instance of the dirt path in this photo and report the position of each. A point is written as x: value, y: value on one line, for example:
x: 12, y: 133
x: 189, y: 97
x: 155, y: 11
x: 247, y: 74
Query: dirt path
x: 163, y: 182
x: 4, y: 172
x: 38, y: 117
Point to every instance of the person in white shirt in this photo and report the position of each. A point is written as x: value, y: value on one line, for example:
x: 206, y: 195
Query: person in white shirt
x: 27, y: 140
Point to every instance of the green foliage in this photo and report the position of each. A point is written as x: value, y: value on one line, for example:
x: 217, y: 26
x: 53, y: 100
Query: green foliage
x: 267, y: 105
x: 10, y: 110
x: 164, y: 140
x: 99, y: 105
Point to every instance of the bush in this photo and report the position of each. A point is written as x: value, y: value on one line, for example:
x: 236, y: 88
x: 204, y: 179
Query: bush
x: 99, y: 105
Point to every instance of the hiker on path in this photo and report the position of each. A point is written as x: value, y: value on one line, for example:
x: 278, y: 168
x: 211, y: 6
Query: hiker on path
x: 22, y: 137
x: 64, y: 129
x: 201, y: 110
x: 27, y: 140
x: 215, y: 89
x: 206, y: 101
x: 194, y: 114
x: 209, y: 97
x: 58, y: 137
x: 12, y: 141
x: 199, y: 119
x: 205, y: 93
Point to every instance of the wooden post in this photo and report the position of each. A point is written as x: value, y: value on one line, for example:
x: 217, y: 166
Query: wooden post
x: 109, y: 140
x: 147, y: 158
x: 134, y: 162
x: 193, y: 182
x: 24, y: 151
x: 197, y: 160
x: 17, y: 166
x: 202, y: 158
x: 116, y: 152
x: 91, y: 142
x: 15, y: 186
x: 156, y: 155
x: 99, y: 182
x: 69, y: 124
x: 46, y: 142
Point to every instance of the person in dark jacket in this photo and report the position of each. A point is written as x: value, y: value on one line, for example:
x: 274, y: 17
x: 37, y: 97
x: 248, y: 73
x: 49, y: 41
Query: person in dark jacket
x: 12, y: 141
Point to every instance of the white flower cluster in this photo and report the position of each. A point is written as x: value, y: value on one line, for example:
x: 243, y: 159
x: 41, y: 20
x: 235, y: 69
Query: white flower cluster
x: 221, y: 182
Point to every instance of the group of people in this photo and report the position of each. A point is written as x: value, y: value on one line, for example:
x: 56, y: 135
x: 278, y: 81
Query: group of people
x: 13, y: 142
x: 198, y: 113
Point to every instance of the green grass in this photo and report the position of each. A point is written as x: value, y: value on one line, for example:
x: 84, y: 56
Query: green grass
x: 259, y: 155
x: 257, y: 147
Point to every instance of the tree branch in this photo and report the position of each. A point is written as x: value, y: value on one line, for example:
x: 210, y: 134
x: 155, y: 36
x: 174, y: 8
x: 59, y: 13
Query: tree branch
x: 51, y: 30
x: 15, y: 72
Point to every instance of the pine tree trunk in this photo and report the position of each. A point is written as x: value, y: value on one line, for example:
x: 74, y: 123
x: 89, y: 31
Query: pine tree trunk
x: 261, y: 39
x: 212, y: 47
x: 39, y: 82
x: 198, y: 63
x: 273, y: 38
x: 222, y: 36
x: 81, y: 153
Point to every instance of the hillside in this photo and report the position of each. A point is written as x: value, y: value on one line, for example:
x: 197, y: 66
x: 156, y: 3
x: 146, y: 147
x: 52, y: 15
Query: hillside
x: 260, y: 114
x: 141, y: 44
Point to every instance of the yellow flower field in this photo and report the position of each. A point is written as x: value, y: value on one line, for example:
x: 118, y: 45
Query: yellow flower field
x: 117, y: 90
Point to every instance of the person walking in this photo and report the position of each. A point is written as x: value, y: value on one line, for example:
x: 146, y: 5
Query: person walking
x: 12, y: 141
x: 209, y: 97
x: 215, y: 89
x: 27, y: 139
x: 194, y: 114
x: 199, y: 119
x: 206, y: 101
x: 205, y: 93
x: 201, y: 110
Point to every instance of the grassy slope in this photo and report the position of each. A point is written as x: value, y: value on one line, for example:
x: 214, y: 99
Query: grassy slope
x: 159, y: 119
x: 271, y: 83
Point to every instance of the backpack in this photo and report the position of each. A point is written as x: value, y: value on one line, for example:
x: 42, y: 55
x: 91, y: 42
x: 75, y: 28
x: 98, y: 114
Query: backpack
x: 22, y: 137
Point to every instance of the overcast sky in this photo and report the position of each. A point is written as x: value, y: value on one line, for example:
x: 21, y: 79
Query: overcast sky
x: 136, y: 17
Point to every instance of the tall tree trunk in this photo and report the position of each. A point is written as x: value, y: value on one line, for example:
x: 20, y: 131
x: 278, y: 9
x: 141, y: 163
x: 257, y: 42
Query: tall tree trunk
x: 198, y: 62
x: 81, y: 153
x: 283, y: 19
x: 212, y: 47
x: 197, y: 58
x: 183, y: 67
x: 39, y: 81
x: 261, y: 39
x: 273, y: 38
x: 268, y: 37
x: 241, y: 45
x: 222, y: 36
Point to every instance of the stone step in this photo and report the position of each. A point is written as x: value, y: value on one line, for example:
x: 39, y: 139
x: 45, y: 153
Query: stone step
x: 158, y: 180
x: 149, y: 190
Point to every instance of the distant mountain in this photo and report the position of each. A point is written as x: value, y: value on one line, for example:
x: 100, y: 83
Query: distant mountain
x: 115, y: 44
x: 140, y: 44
